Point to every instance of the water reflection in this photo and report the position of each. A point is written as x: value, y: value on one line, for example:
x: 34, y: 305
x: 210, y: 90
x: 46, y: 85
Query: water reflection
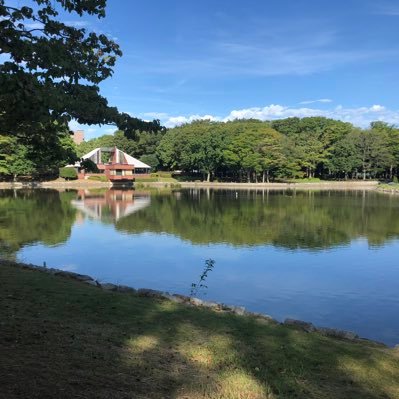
x: 293, y: 220
x: 111, y: 205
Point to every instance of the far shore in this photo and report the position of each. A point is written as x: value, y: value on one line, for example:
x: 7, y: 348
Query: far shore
x: 323, y: 185
x: 87, y: 184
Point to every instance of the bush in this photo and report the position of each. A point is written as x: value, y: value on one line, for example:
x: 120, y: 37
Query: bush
x: 89, y: 166
x: 98, y: 178
x: 68, y: 173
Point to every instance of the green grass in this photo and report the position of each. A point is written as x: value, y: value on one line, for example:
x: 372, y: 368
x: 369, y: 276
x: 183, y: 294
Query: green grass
x: 305, y: 180
x: 98, y: 178
x: 389, y: 187
x: 63, y: 339
x: 155, y: 179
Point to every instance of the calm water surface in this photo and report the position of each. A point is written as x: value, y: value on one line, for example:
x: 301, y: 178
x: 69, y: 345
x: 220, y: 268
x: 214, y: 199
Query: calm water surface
x: 329, y: 257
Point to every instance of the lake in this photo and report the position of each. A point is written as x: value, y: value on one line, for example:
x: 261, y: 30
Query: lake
x: 329, y: 257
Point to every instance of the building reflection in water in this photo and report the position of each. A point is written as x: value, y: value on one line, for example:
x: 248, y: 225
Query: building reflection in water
x: 110, y: 205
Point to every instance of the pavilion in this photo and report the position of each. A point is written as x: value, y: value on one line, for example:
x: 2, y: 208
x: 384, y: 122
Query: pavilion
x: 115, y: 164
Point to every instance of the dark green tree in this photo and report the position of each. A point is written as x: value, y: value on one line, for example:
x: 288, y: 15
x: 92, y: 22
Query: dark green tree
x: 52, y: 72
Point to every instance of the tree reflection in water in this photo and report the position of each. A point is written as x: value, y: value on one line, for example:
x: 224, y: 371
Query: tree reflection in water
x: 294, y: 220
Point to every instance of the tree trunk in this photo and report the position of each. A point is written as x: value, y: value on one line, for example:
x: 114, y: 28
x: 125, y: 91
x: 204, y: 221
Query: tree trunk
x: 263, y: 176
x: 267, y: 176
x: 208, y: 177
x: 249, y: 176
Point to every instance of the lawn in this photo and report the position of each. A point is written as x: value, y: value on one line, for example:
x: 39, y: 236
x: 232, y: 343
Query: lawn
x: 61, y: 338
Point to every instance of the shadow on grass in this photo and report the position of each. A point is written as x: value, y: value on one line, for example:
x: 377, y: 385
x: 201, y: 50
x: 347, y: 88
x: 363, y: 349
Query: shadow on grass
x: 61, y: 339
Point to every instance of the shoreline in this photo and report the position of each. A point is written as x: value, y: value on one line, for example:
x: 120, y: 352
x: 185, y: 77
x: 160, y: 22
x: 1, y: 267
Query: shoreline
x: 300, y: 325
x: 322, y: 185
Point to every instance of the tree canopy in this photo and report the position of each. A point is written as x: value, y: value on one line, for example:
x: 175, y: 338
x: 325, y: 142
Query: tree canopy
x: 253, y: 150
x: 51, y: 70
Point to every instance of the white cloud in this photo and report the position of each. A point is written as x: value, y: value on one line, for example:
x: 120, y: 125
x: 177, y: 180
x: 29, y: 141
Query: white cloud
x: 77, y: 24
x: 321, y: 100
x: 359, y: 116
x: 34, y: 25
x: 172, y: 121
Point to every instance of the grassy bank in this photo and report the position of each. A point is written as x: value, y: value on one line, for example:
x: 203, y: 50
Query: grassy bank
x: 389, y: 188
x: 60, y: 338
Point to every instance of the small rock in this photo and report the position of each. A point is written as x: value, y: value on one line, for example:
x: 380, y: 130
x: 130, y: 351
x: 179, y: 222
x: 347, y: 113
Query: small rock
x: 196, y: 301
x: 109, y: 287
x: 239, y: 310
x: 183, y: 298
x: 91, y: 282
x: 332, y: 332
x: 125, y: 288
x: 75, y: 276
x: 146, y: 292
x: 210, y: 305
x: 41, y: 269
x: 172, y: 298
x: 263, y: 317
x: 302, y: 325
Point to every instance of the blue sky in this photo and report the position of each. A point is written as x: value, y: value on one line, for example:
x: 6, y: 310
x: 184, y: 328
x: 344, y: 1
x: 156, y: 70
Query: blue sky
x: 186, y: 59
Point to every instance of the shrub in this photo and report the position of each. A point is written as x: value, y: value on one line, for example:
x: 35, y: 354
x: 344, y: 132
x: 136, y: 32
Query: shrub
x: 89, y: 166
x: 68, y: 173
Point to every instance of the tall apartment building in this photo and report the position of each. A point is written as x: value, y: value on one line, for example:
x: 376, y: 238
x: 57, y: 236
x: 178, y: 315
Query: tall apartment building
x: 78, y: 136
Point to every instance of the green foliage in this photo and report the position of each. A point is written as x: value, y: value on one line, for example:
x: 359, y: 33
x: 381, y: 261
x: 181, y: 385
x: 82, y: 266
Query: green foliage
x: 68, y: 173
x: 14, y: 158
x: 196, y: 287
x: 89, y: 166
x: 151, y: 160
x: 161, y: 174
x: 52, y: 73
x: 287, y: 148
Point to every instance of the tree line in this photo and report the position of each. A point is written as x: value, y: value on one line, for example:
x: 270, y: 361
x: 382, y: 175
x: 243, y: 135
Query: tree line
x: 241, y: 150
x: 254, y: 151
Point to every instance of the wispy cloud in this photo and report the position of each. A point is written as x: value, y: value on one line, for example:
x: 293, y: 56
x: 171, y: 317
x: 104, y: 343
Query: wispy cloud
x: 272, y: 48
x: 263, y: 61
x: 388, y: 9
x: 321, y: 100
